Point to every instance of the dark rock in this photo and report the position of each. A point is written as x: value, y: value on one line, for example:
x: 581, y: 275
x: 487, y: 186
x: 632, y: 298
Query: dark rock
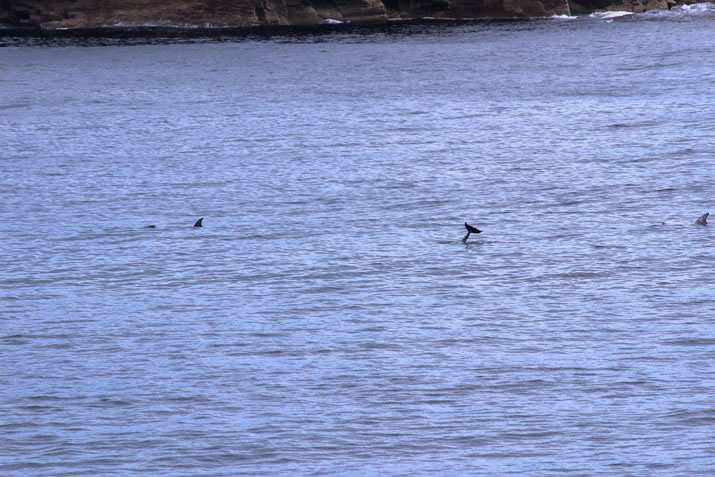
x: 247, y: 13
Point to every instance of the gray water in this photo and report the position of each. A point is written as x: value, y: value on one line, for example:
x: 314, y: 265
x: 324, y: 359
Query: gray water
x: 327, y: 318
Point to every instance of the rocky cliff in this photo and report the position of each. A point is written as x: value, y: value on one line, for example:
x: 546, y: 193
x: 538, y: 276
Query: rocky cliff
x: 53, y: 14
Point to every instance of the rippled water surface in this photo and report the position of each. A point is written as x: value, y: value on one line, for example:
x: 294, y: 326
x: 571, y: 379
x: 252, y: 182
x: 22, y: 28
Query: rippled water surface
x: 327, y: 318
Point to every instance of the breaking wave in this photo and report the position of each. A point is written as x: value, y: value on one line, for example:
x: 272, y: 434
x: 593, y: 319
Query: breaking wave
x: 706, y: 9
x: 609, y: 15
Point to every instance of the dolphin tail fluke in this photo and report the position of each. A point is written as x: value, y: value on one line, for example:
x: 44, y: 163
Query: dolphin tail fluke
x: 703, y: 220
x: 198, y: 222
x: 471, y: 229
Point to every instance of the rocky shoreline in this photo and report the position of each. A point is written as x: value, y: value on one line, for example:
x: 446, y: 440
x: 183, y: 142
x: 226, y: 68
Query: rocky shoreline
x: 76, y: 14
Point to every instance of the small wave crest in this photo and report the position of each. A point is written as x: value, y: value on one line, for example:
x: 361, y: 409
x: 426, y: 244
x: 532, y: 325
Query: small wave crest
x: 609, y: 15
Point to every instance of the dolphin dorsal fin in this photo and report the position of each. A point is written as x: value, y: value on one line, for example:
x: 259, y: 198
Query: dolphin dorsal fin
x: 703, y: 220
x: 198, y: 222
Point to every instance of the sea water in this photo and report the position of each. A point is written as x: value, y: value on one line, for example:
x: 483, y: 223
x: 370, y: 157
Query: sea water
x: 327, y: 318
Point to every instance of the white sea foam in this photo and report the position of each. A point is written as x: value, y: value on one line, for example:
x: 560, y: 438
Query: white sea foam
x: 609, y: 15
x: 157, y: 24
x: 563, y: 17
x: 706, y: 9
x: 332, y: 21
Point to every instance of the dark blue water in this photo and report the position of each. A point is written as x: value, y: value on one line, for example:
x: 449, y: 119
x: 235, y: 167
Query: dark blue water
x: 328, y: 319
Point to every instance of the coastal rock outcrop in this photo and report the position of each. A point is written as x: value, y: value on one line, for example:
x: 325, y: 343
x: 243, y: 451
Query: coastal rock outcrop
x: 57, y: 14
